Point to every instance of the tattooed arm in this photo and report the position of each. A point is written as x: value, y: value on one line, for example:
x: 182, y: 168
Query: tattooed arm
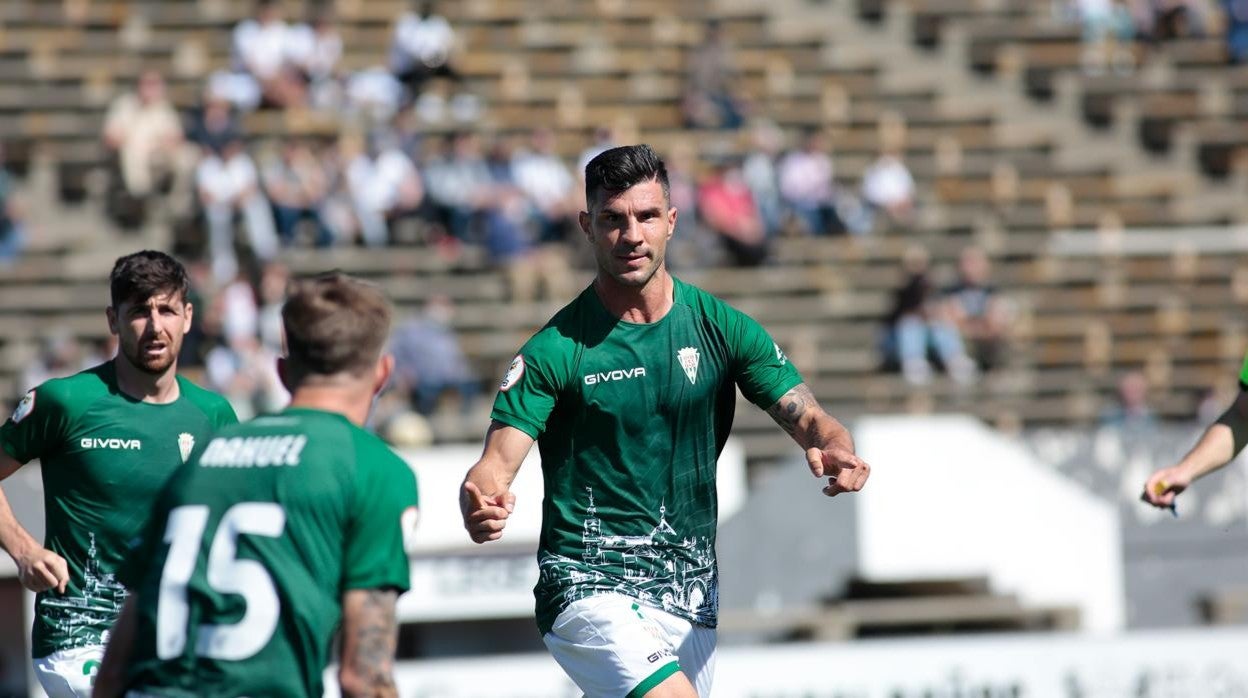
x: 369, y: 635
x: 828, y: 445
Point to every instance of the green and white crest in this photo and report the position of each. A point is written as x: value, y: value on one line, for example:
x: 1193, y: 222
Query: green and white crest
x: 186, y: 444
x: 688, y: 358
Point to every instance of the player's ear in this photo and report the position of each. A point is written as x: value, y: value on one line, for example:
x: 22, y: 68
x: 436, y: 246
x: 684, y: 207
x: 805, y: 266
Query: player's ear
x: 190, y: 314
x: 385, y: 369
x: 111, y: 313
x: 583, y: 219
x: 671, y: 222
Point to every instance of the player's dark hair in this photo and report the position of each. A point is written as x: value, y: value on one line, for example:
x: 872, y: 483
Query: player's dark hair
x: 616, y: 169
x: 139, y: 276
x: 334, y: 324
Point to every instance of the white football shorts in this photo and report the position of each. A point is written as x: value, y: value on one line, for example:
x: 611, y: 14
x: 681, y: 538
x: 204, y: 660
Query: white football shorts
x: 612, y: 646
x: 69, y: 673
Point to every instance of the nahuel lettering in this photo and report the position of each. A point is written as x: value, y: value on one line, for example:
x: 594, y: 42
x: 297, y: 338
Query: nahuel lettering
x: 254, y: 451
x: 618, y: 374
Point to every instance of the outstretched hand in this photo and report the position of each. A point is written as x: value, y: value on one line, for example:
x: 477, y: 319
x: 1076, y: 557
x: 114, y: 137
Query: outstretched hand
x: 485, y: 516
x: 1163, y: 486
x: 845, y: 471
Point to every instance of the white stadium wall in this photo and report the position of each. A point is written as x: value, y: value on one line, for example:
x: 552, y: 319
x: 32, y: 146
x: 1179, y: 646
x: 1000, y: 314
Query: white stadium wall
x: 949, y: 497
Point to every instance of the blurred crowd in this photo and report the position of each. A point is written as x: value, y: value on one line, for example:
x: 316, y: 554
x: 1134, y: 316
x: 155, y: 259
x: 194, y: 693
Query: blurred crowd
x: 1112, y: 29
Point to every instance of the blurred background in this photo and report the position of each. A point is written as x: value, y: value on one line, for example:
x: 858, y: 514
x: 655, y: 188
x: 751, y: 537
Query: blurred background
x: 1003, y: 239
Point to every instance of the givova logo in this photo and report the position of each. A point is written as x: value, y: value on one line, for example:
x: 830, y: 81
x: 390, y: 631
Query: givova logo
x: 113, y: 444
x: 618, y: 374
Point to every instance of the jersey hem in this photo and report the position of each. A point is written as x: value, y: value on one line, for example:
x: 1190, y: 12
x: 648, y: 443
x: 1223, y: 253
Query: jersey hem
x: 516, y: 422
x: 658, y: 677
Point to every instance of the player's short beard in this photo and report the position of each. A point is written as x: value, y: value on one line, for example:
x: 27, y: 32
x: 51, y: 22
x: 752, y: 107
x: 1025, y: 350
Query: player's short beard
x: 640, y: 283
x: 155, y: 367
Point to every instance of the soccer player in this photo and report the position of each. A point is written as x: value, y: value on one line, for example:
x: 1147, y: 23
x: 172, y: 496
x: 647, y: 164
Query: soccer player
x: 278, y: 529
x: 109, y: 438
x: 629, y: 391
x: 1219, y: 445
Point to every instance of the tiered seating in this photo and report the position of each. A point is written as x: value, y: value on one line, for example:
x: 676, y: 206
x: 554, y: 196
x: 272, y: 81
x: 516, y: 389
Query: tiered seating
x: 1080, y: 320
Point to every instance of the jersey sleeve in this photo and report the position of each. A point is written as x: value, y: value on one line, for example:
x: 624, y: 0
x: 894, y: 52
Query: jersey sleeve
x: 1243, y: 375
x: 760, y: 368
x: 223, y: 415
x: 37, y: 426
x: 381, y: 517
x: 526, y: 397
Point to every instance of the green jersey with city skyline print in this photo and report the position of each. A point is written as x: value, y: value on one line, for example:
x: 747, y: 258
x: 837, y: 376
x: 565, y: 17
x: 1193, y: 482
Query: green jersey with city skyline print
x: 105, y: 456
x: 630, y: 420
x: 241, y: 572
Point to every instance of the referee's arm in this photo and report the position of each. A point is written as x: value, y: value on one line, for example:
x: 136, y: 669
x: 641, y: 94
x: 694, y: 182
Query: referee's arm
x: 1219, y: 445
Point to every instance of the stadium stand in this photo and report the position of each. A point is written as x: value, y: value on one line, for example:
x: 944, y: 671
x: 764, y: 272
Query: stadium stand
x: 1014, y: 147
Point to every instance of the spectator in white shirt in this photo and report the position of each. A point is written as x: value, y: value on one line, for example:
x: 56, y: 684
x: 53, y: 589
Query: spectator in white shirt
x: 384, y: 187
x: 145, y: 131
x: 888, y: 186
x: 422, y: 46
x: 228, y: 184
x: 807, y: 188
x: 315, y: 51
x: 548, y: 184
x: 262, y: 48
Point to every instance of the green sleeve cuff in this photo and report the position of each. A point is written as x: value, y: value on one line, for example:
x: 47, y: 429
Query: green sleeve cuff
x: 511, y: 420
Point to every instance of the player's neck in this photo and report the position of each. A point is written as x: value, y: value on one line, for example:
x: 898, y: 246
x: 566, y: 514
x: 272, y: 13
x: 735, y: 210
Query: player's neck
x: 642, y: 305
x: 159, y: 389
x: 350, y: 402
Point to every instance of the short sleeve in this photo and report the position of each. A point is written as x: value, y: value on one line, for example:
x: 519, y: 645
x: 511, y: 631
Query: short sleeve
x: 760, y: 368
x: 382, y: 517
x: 1243, y: 375
x: 36, y: 428
x: 526, y: 397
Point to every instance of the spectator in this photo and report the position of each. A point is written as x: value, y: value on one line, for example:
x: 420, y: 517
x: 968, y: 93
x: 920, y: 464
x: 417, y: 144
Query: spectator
x: 709, y: 100
x: 550, y: 187
x: 228, y: 185
x: 1237, y: 29
x: 888, y: 187
x: 552, y: 197
x: 271, y: 294
x: 144, y: 131
x: 760, y: 175
x: 421, y: 47
x: 977, y: 309
x: 1131, y: 413
x: 727, y: 207
x: 428, y: 359
x: 214, y: 124
x: 315, y: 51
x: 12, y: 218
x: 917, y: 324
x: 459, y: 183
x: 1172, y: 19
x: 297, y: 184
x: 261, y: 47
x: 807, y: 188
x: 384, y: 187
x: 504, y: 216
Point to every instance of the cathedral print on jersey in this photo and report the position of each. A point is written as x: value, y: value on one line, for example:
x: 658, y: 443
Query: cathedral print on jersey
x: 660, y: 569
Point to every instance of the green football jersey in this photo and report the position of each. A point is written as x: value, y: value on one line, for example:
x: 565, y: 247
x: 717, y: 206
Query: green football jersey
x: 241, y: 573
x: 1243, y: 374
x: 630, y: 419
x: 105, y: 456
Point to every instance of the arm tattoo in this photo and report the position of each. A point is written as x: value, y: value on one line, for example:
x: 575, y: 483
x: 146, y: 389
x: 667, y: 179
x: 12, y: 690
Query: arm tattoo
x: 372, y: 637
x: 789, y: 409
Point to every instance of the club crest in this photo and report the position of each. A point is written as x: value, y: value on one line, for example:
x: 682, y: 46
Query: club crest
x: 688, y: 358
x: 186, y: 444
